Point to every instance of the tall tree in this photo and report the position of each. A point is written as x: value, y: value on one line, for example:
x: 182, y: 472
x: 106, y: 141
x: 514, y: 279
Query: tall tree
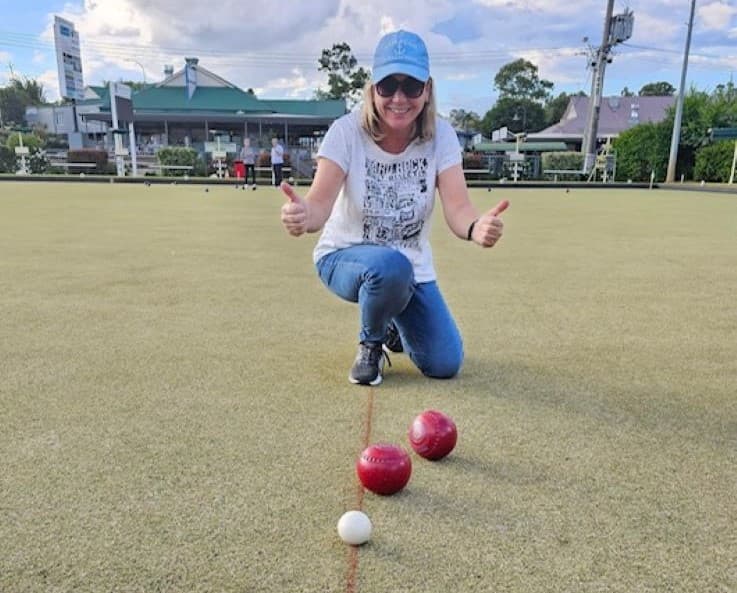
x: 514, y: 114
x: 657, y: 89
x: 521, y: 96
x: 464, y: 120
x: 519, y: 80
x: 16, y: 96
x: 345, y: 79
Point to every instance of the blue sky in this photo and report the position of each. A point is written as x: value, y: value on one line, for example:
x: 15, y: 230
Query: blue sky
x: 275, y: 49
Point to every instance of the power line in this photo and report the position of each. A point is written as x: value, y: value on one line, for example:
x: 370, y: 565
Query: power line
x: 29, y: 41
x: 679, y: 53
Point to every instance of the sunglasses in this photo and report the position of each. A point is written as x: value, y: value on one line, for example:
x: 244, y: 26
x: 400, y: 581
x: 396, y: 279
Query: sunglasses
x: 411, y: 87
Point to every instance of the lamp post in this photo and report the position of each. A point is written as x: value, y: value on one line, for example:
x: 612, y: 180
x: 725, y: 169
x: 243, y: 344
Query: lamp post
x: 143, y: 70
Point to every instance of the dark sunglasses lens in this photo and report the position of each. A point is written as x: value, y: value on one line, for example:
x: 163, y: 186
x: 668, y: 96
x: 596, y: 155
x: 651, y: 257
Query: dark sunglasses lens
x: 386, y: 87
x: 411, y: 87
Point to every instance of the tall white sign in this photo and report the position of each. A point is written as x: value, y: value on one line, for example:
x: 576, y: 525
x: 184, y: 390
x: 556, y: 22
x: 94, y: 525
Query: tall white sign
x: 68, y: 59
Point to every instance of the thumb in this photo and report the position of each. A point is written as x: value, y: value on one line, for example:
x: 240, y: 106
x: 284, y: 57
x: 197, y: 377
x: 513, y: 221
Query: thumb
x: 288, y: 191
x: 499, y: 208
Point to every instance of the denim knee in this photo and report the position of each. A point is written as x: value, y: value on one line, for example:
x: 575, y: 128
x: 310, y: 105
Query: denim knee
x: 394, y: 274
x: 443, y: 365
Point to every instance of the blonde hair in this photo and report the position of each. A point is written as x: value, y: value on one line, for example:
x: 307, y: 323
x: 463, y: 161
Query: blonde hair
x: 424, y: 128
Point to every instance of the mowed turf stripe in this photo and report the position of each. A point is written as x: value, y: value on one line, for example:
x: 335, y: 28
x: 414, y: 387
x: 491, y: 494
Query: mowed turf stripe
x: 350, y: 583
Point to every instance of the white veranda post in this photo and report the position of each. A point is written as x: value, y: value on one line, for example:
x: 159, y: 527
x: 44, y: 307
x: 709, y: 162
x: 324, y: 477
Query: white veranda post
x: 22, y: 152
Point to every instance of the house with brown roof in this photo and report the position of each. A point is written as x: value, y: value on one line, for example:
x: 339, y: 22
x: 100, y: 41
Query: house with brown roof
x: 617, y: 114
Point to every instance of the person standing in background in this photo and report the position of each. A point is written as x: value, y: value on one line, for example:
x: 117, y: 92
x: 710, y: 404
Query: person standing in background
x: 248, y: 156
x: 277, y: 160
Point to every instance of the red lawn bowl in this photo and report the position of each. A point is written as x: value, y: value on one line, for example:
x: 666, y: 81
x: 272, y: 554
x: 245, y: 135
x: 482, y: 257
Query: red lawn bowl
x: 433, y: 435
x: 383, y: 468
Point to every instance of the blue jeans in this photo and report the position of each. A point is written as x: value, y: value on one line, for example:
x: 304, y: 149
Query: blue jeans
x: 381, y: 280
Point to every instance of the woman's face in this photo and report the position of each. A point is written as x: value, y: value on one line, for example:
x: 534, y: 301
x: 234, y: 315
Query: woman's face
x: 397, y: 101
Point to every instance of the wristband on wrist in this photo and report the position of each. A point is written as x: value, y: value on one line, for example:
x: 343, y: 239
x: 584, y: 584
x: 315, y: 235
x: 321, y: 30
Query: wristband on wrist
x: 470, y: 229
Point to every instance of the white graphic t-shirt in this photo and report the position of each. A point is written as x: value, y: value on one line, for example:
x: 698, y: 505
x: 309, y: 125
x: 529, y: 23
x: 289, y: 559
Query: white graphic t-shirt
x: 387, y: 199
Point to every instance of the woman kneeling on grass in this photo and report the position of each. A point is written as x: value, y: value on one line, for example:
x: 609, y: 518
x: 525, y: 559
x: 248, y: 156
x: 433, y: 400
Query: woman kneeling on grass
x: 373, y: 196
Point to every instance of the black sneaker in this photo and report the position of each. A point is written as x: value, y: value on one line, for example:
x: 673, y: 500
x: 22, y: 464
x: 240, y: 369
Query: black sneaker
x: 369, y: 363
x: 393, y: 341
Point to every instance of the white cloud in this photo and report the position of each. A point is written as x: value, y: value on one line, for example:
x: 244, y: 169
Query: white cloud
x: 531, y: 5
x: 716, y: 15
x: 274, y: 48
x: 659, y: 29
x: 567, y: 66
x: 50, y: 81
x: 463, y: 76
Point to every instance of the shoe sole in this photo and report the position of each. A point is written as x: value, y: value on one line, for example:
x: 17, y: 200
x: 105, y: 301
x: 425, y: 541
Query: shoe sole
x: 373, y: 383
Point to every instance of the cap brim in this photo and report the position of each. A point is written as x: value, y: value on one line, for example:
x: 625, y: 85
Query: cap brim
x: 417, y: 72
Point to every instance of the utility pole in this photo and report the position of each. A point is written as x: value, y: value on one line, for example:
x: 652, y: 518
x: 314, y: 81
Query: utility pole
x: 599, y: 62
x: 670, y: 176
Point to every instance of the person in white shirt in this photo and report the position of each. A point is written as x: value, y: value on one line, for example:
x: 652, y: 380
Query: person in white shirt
x: 248, y: 156
x: 277, y: 160
x: 373, y: 195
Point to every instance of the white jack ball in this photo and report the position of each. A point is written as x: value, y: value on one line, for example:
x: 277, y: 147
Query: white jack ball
x: 354, y: 528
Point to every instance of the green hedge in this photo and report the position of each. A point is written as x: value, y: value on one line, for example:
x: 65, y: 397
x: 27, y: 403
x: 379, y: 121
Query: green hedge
x: 179, y: 156
x: 36, y: 161
x: 7, y: 160
x: 564, y: 161
x: 29, y: 140
x: 714, y: 162
x: 641, y: 150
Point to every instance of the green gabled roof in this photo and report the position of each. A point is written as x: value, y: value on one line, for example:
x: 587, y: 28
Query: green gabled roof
x: 101, y: 91
x: 204, y: 99
x: 327, y: 108
x: 228, y: 100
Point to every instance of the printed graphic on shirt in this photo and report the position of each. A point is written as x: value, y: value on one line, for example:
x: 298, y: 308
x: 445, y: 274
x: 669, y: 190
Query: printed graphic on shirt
x: 395, y: 202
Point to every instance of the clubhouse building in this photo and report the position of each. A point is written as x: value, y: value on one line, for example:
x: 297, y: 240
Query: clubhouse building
x: 190, y: 107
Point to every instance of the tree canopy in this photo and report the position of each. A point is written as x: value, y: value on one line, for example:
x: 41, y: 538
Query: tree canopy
x: 657, y: 89
x: 464, y: 120
x: 646, y: 147
x: 519, y: 80
x: 16, y: 96
x: 520, y: 107
x: 345, y: 79
x: 555, y: 107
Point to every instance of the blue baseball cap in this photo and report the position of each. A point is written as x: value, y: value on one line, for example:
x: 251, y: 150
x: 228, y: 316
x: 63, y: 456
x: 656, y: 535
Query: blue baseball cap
x: 401, y: 52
